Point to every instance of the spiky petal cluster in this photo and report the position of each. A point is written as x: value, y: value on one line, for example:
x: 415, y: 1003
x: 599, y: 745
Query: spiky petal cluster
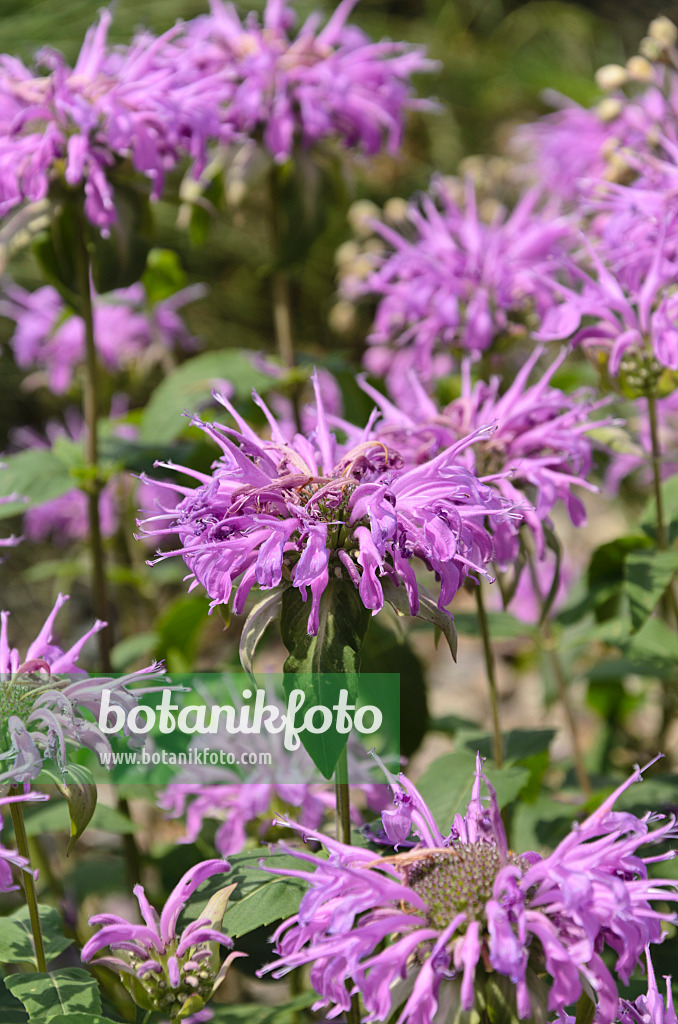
x: 304, y: 510
x: 9, y: 858
x: 114, y: 104
x: 452, y: 281
x: 42, y: 712
x: 285, y: 86
x: 129, y: 334
x: 415, y: 931
x: 539, y: 450
x: 165, y: 970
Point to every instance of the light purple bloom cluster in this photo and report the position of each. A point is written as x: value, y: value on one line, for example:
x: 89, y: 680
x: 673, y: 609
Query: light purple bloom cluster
x: 416, y: 932
x: 285, y: 87
x: 164, y: 970
x: 130, y: 335
x: 115, y: 104
x: 9, y: 858
x: 41, y: 710
x: 538, y: 449
x: 304, y: 510
x: 451, y: 281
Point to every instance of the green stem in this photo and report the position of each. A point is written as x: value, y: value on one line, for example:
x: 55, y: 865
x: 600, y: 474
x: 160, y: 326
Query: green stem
x: 281, y: 296
x: 341, y: 793
x: 91, y: 412
x: 28, y: 882
x: 491, y: 675
x: 662, y: 537
x: 549, y: 645
x: 132, y: 852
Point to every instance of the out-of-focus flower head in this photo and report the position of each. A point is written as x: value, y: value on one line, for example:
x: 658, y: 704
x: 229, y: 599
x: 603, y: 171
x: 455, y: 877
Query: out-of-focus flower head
x: 538, y: 449
x: 167, y: 971
x: 304, y: 510
x: 282, y: 781
x: 9, y: 858
x: 9, y: 499
x: 41, y: 708
x: 129, y: 334
x: 451, y: 281
x: 115, y: 104
x: 64, y: 519
x: 416, y: 932
x: 285, y: 87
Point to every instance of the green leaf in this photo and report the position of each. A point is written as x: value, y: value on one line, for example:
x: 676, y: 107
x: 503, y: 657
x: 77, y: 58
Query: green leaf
x: 428, y: 610
x: 163, y: 275
x: 78, y: 788
x: 77, y: 1018
x: 655, y: 640
x: 190, y: 386
x: 55, y: 818
x: 36, y: 475
x: 647, y: 574
x: 118, y: 260
x: 343, y: 622
x: 258, y: 1013
x: 447, y: 782
x: 11, y: 1010
x: 320, y: 666
x: 256, y: 624
x: 503, y: 625
x: 606, y: 574
x: 16, y: 936
x: 260, y: 898
x: 61, y: 992
x: 670, y: 504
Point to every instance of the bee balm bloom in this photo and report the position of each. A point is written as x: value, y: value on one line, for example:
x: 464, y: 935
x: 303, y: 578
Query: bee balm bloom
x: 416, y: 933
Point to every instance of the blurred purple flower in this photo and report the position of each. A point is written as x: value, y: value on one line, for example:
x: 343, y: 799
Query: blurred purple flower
x: 129, y: 333
x: 41, y: 712
x: 8, y: 858
x: 286, y: 88
x: 305, y: 509
x: 650, y: 1008
x: 114, y: 104
x: 411, y: 931
x: 164, y: 970
x: 452, y: 281
x: 9, y: 499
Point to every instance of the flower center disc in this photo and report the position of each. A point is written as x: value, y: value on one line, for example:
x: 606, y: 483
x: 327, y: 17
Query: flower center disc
x: 455, y: 881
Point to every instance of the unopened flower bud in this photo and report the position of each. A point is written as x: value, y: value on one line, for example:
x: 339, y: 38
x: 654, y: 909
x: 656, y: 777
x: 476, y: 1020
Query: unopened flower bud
x: 650, y: 48
x: 609, y: 109
x: 346, y: 253
x: 395, y: 210
x: 611, y: 76
x: 640, y: 69
x: 342, y: 317
x: 360, y: 214
x: 663, y: 30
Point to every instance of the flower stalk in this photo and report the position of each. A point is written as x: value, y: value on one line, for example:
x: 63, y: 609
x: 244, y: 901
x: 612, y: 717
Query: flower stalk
x: 91, y: 412
x: 498, y: 745
x: 28, y: 881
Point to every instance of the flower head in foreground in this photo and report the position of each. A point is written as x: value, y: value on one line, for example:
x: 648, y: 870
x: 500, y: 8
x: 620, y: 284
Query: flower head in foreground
x: 163, y: 970
x: 8, y: 858
x: 130, y: 334
x: 452, y: 281
x: 304, y: 511
x: 290, y: 87
x: 418, y: 931
x: 539, y: 449
x: 114, y: 104
x: 650, y: 1008
x: 41, y: 710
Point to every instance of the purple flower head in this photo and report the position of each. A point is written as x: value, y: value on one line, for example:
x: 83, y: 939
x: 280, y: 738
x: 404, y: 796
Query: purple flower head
x: 305, y: 509
x: 451, y: 281
x: 115, y: 104
x: 650, y: 1008
x: 41, y: 710
x: 415, y: 933
x: 539, y: 449
x: 8, y: 858
x: 165, y: 970
x: 284, y: 87
x: 130, y: 335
